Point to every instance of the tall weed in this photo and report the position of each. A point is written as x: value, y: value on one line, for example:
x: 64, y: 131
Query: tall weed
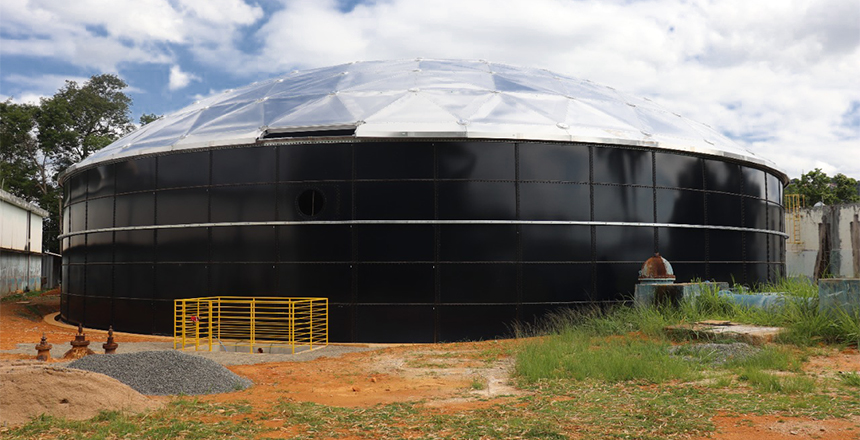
x: 579, y: 354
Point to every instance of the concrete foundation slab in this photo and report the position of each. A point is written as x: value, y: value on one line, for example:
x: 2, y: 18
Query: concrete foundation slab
x: 712, y: 330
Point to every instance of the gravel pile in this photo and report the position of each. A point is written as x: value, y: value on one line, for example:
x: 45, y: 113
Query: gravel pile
x: 717, y: 354
x: 164, y: 372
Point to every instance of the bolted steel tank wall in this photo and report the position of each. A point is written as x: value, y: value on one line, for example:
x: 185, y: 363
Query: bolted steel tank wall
x: 414, y: 240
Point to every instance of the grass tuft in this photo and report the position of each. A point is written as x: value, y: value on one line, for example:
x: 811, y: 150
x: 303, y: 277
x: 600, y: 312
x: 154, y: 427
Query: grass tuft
x: 769, y: 382
x: 169, y: 422
x: 478, y: 384
x: 769, y: 358
x: 580, y: 355
x: 850, y: 379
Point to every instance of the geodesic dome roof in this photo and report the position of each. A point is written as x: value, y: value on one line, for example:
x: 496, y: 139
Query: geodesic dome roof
x: 424, y: 98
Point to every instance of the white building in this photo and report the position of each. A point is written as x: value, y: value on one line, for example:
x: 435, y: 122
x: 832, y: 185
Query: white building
x: 824, y: 241
x: 20, y: 244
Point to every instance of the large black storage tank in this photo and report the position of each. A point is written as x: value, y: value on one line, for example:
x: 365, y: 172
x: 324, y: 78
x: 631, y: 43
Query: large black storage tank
x: 429, y: 200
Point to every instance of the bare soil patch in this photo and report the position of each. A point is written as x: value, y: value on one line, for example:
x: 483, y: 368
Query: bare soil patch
x: 833, y: 361
x: 30, y: 390
x: 748, y: 426
x: 23, y: 322
x: 436, y: 373
x: 441, y: 379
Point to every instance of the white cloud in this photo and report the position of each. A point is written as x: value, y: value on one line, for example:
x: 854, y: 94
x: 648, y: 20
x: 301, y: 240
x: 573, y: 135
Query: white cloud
x: 23, y: 98
x: 776, y: 75
x: 104, y: 35
x: 779, y: 75
x: 30, y: 89
x: 179, y: 79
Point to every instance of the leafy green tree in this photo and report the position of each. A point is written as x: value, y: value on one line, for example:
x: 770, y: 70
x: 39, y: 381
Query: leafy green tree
x: 845, y: 188
x: 20, y: 164
x: 79, y: 120
x: 816, y: 186
x: 146, y: 118
x: 39, y: 141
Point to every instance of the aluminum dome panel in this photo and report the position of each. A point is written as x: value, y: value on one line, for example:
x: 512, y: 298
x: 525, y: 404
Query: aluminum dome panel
x: 426, y: 98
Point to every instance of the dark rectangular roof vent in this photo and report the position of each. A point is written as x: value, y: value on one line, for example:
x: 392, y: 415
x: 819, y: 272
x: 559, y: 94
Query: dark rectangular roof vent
x: 303, y: 132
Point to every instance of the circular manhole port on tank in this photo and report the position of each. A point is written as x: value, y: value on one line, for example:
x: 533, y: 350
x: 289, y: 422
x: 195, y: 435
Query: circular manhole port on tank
x: 310, y: 202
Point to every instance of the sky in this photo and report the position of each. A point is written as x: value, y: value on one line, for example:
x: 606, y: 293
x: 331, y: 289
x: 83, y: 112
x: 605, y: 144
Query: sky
x: 780, y: 77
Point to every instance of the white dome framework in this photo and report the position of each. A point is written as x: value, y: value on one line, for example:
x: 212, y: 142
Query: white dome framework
x: 426, y: 98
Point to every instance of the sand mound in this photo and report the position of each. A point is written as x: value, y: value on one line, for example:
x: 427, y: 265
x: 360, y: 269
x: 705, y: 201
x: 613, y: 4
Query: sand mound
x: 27, y: 391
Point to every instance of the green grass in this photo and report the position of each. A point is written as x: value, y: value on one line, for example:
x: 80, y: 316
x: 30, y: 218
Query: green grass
x: 585, y: 409
x: 596, y: 344
x: 478, y: 384
x: 770, y: 358
x: 798, y: 314
x: 167, y: 423
x: 850, y: 379
x: 23, y: 296
x: 578, y: 355
x: 595, y: 374
x: 769, y: 382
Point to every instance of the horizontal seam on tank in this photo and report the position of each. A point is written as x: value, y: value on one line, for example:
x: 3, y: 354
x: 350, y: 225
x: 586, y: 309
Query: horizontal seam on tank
x: 376, y: 304
x: 420, y: 222
x: 398, y: 180
x: 415, y: 262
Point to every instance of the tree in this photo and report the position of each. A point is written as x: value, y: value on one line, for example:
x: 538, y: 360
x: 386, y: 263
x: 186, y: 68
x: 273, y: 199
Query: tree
x: 39, y: 141
x: 845, y: 189
x: 146, y: 118
x: 816, y: 186
x: 78, y: 121
x: 20, y: 164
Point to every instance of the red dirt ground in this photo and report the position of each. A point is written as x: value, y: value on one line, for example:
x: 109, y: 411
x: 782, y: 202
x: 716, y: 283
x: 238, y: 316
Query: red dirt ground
x: 441, y: 374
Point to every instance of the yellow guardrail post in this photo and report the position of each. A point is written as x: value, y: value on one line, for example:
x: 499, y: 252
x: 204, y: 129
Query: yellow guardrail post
x: 291, y: 319
x: 177, y: 332
x: 197, y: 326
x: 209, y: 325
x: 311, y: 326
x: 219, y: 319
x: 184, y: 324
x: 326, y: 321
x: 253, y: 323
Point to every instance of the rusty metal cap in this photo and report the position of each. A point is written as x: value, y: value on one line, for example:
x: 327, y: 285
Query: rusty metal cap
x: 657, y: 268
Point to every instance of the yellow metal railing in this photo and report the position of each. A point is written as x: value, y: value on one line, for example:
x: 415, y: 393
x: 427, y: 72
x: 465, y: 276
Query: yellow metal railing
x: 793, y: 204
x: 250, y: 324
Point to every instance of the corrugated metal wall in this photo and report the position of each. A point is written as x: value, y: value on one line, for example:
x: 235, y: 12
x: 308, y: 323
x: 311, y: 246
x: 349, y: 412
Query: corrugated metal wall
x: 20, y: 245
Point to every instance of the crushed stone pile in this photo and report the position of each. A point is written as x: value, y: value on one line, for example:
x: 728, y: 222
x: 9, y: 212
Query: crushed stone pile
x: 717, y: 354
x: 165, y: 372
x: 28, y: 391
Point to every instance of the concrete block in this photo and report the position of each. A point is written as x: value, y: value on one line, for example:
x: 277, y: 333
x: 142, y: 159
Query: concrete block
x: 715, y: 330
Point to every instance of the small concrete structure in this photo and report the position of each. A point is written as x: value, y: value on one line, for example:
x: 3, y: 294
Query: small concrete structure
x: 829, y: 242
x: 20, y: 244
x: 711, y: 330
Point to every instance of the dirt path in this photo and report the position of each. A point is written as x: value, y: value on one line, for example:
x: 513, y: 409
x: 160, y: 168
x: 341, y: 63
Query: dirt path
x: 436, y: 373
x: 755, y: 427
x: 438, y: 378
x: 23, y: 322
